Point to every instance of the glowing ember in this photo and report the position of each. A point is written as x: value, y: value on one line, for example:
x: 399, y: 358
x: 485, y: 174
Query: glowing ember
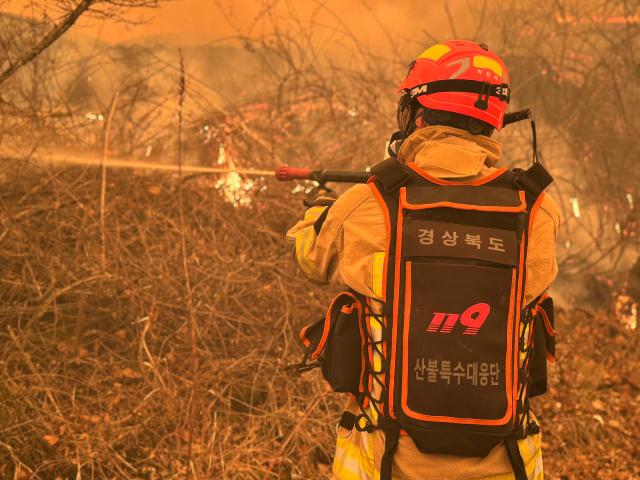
x: 627, y: 311
x: 298, y: 188
x: 575, y: 206
x: 221, y: 155
x: 236, y: 190
x: 94, y: 117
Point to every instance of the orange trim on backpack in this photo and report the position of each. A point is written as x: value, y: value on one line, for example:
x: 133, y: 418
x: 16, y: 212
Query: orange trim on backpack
x: 524, y: 243
x: 304, y: 338
x: 463, y: 206
x: 440, y: 181
x: 509, y: 389
x: 547, y: 323
x: 347, y: 309
x: 537, y: 307
x: 387, y: 222
x: 394, y: 318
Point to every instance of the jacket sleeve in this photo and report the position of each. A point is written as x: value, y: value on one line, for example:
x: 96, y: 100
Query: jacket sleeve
x: 318, y: 244
x: 542, y: 266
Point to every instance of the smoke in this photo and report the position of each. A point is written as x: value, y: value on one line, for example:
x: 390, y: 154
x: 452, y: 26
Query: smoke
x: 193, y: 22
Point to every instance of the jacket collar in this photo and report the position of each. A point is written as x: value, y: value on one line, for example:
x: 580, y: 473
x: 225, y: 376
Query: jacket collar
x: 447, y: 152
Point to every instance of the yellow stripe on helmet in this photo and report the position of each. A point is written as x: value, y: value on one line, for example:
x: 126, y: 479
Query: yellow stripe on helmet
x: 435, y: 53
x: 480, y: 61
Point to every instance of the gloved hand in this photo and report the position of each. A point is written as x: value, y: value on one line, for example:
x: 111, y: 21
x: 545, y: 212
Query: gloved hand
x: 320, y: 196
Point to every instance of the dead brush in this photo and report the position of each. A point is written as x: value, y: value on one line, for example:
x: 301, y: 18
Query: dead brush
x: 96, y: 371
x: 97, y: 365
x: 588, y: 418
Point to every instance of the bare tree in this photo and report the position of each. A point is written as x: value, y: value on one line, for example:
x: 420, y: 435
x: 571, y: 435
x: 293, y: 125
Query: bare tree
x: 576, y: 64
x: 72, y: 12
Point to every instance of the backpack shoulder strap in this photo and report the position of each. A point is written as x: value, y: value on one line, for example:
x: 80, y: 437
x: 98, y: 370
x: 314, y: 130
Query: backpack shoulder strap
x: 533, y: 180
x: 391, y: 174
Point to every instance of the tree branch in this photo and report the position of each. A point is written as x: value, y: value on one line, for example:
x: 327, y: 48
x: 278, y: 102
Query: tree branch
x: 47, y: 40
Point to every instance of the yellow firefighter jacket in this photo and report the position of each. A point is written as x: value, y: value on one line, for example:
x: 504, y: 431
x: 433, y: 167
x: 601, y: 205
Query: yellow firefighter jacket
x: 349, y: 250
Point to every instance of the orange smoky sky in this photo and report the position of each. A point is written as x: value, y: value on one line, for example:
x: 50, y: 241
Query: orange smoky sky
x: 202, y: 21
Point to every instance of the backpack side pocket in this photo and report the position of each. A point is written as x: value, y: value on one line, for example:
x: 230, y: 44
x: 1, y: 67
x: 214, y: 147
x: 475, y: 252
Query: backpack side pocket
x: 336, y: 342
x: 342, y: 364
x: 544, y: 345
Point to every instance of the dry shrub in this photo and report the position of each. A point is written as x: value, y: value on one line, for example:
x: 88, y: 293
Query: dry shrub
x: 589, y: 417
x: 96, y: 371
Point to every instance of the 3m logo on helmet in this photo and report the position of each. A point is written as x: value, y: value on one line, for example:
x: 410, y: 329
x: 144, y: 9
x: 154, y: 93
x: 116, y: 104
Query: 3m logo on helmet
x: 473, y: 318
x: 419, y: 90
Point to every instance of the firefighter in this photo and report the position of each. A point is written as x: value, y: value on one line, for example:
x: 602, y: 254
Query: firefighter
x: 453, y: 98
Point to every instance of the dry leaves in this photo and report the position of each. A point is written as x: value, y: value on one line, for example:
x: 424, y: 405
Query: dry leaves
x: 51, y: 439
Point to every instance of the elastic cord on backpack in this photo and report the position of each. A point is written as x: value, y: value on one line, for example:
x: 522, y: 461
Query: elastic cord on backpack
x: 375, y: 375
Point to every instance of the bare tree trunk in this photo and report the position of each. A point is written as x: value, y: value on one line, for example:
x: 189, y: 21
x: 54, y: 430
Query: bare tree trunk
x: 48, y: 39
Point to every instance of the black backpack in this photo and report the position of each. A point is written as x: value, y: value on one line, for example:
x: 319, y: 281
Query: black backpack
x: 461, y: 354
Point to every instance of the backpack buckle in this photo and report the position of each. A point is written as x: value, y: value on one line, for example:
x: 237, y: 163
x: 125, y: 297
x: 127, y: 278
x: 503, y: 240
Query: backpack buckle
x: 532, y: 428
x: 368, y: 426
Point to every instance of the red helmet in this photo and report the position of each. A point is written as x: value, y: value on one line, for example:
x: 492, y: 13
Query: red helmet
x: 463, y: 77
